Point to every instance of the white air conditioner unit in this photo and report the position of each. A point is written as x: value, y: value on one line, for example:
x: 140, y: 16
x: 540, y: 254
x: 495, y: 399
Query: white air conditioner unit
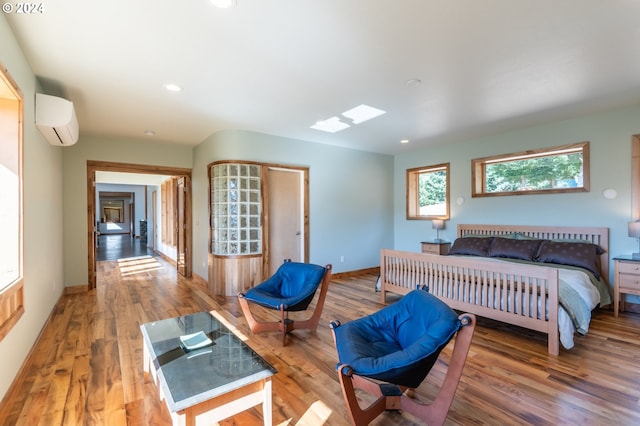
x: 56, y: 119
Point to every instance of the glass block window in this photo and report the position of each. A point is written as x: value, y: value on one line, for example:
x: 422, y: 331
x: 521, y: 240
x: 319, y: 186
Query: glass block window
x: 236, y: 209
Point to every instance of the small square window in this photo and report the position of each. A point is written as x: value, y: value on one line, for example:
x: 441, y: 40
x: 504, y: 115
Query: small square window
x: 428, y: 192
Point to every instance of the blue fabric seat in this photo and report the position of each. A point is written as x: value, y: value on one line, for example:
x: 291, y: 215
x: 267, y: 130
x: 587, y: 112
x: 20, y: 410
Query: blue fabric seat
x: 399, y: 345
x: 292, y: 288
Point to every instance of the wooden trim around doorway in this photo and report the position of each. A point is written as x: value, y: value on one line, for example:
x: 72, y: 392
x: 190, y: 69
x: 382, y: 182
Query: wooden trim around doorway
x: 635, y: 177
x: 103, y: 166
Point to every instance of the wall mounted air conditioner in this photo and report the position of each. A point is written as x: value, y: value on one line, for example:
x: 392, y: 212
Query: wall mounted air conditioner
x: 56, y: 119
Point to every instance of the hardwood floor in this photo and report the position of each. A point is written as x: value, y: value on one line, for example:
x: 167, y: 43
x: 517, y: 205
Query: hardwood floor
x: 120, y: 246
x: 87, y: 365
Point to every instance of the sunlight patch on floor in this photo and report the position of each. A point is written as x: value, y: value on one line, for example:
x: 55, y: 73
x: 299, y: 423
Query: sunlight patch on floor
x: 316, y: 415
x: 230, y: 326
x: 138, y: 265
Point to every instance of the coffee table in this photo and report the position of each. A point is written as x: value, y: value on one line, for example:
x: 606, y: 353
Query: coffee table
x: 207, y: 384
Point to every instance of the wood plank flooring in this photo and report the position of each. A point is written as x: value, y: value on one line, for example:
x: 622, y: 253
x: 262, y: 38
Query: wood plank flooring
x: 118, y: 246
x: 87, y: 366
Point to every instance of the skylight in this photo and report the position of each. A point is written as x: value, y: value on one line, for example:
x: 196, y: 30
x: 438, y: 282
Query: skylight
x: 363, y: 113
x: 357, y: 115
x: 330, y: 125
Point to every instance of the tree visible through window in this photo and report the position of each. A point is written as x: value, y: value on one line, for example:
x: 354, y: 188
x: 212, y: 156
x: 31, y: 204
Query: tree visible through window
x: 560, y: 169
x: 428, y: 192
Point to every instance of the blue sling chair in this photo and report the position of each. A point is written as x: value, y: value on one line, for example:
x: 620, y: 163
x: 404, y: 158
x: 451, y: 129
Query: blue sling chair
x: 290, y: 289
x: 397, y: 347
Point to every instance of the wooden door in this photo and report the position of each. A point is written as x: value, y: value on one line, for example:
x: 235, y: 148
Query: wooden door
x: 180, y: 226
x: 132, y: 218
x: 153, y: 225
x: 286, y: 233
x: 93, y: 229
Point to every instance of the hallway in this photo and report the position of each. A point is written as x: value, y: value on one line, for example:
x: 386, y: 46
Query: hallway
x: 120, y: 246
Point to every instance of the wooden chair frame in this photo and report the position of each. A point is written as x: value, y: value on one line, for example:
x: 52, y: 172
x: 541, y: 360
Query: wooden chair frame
x: 285, y: 324
x: 392, y: 397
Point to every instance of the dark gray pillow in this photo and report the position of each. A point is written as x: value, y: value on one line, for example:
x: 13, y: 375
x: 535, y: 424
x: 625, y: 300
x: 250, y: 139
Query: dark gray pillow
x: 583, y: 255
x: 471, y: 246
x: 514, y: 249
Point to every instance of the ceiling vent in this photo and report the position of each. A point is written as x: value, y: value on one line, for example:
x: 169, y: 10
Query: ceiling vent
x: 56, y: 119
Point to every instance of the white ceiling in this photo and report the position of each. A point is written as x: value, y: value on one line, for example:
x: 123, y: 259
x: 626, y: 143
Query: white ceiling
x: 278, y: 66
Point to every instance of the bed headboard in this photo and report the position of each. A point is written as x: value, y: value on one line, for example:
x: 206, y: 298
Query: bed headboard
x: 599, y: 236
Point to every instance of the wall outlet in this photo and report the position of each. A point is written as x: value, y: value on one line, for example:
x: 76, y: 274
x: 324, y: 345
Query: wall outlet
x: 341, y: 259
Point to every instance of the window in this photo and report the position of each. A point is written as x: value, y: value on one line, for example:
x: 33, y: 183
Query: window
x: 428, y: 192
x: 236, y: 209
x: 552, y: 170
x: 112, y: 211
x: 11, y: 278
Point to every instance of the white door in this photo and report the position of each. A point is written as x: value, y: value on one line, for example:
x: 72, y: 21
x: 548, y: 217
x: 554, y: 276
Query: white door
x: 286, y: 216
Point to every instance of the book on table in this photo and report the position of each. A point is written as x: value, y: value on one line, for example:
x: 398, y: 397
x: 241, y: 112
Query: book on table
x: 195, y: 341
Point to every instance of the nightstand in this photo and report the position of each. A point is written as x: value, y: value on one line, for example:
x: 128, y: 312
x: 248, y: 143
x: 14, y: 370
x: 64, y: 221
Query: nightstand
x: 626, y: 280
x: 435, y: 247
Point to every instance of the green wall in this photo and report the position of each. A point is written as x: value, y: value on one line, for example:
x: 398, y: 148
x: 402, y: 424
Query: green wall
x: 75, y: 187
x: 43, y: 229
x: 350, y: 195
x: 345, y: 219
x: 609, y: 135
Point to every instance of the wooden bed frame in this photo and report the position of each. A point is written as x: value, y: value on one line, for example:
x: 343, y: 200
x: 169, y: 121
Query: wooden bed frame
x: 465, y: 283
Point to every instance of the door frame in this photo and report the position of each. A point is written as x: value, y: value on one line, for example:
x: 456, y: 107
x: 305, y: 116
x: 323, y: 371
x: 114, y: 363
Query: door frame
x: 635, y: 177
x: 152, y: 227
x: 180, y: 207
x: 270, y: 215
x: 105, y: 166
x: 266, y: 234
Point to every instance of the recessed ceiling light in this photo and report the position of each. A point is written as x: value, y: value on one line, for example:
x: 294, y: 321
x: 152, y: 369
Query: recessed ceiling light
x: 224, y: 4
x: 149, y: 133
x: 330, y: 125
x: 362, y: 113
x: 172, y: 87
x: 404, y: 141
x: 414, y: 82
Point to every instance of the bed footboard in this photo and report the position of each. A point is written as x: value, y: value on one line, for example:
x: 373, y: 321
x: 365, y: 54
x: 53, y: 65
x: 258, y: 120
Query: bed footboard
x: 518, y: 294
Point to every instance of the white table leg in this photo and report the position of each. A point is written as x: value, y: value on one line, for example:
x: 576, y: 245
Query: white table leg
x: 267, y: 410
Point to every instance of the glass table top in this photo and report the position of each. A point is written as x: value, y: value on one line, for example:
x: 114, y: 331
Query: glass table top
x: 190, y: 377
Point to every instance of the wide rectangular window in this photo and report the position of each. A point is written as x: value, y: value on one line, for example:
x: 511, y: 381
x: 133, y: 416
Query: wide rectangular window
x: 428, y: 192
x: 550, y: 170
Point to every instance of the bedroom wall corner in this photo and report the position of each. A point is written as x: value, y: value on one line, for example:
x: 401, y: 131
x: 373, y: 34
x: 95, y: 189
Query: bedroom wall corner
x: 609, y: 134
